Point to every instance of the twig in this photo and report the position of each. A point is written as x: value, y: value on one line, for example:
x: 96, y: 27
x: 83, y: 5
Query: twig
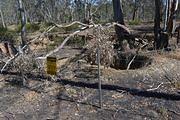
x: 129, y: 65
x: 155, y: 88
x: 177, y: 113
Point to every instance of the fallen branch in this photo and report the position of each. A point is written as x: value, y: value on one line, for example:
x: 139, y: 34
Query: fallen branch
x: 129, y: 65
x: 126, y: 29
x: 42, y: 34
x: 8, y: 61
x: 65, y: 41
x: 73, y: 23
x: 152, y: 89
x: 48, y: 30
x: 173, y: 111
x: 61, y: 46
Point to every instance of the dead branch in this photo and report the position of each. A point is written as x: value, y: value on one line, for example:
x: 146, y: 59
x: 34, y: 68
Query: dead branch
x: 129, y: 65
x: 8, y: 61
x: 126, y: 29
x: 73, y: 23
x: 64, y: 42
x: 152, y: 89
x: 173, y: 111
x: 46, y: 31
x: 42, y: 34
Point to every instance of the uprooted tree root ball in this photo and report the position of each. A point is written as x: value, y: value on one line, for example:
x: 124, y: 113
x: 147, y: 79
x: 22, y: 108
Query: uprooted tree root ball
x: 111, y: 57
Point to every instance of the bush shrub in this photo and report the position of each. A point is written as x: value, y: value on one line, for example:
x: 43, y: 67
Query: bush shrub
x: 134, y: 22
x: 30, y: 27
x: 7, y: 35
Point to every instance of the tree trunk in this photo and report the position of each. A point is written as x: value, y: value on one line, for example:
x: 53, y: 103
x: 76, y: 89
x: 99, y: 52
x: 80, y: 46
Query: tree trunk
x: 134, y: 14
x: 157, y: 43
x: 118, y: 17
x: 23, y: 23
x: 135, y: 10
x: 172, y: 17
x: 118, y: 14
x: 2, y: 19
x: 166, y: 15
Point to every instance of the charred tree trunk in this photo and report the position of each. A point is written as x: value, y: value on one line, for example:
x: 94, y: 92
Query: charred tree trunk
x: 135, y: 10
x: 157, y: 29
x: 122, y: 31
x: 118, y: 14
x: 134, y: 14
x: 118, y: 17
x: 23, y: 22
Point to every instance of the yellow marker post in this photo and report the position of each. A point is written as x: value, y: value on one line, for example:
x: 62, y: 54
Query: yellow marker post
x: 51, y: 65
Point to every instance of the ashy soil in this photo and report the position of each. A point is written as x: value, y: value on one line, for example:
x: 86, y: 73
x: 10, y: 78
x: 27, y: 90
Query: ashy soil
x: 150, y: 92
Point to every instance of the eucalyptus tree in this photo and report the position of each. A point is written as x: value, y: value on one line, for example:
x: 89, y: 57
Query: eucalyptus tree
x: 162, y: 34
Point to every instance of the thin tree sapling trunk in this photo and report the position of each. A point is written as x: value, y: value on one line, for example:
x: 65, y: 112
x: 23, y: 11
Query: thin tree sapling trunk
x: 2, y: 19
x: 23, y: 22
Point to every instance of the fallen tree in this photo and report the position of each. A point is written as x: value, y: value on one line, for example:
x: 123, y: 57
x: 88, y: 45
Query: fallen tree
x: 99, y: 36
x: 41, y: 35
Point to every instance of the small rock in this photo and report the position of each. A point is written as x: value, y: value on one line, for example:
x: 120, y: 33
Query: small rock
x: 152, y: 113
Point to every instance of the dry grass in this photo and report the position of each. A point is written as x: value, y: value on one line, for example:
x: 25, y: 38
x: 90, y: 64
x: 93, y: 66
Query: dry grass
x: 31, y: 96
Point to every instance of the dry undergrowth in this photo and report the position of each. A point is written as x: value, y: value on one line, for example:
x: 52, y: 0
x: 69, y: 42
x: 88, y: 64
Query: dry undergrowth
x: 31, y: 96
x: 104, y: 41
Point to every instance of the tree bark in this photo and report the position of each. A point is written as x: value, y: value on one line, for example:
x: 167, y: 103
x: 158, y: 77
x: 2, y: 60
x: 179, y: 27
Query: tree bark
x: 2, y: 19
x: 118, y: 14
x: 23, y: 22
x: 118, y: 17
x: 157, y: 41
x: 135, y: 10
x: 172, y: 17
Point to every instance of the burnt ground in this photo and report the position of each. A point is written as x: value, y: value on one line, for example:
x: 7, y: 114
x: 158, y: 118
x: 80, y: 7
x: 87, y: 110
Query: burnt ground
x: 73, y: 95
x: 150, y: 92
